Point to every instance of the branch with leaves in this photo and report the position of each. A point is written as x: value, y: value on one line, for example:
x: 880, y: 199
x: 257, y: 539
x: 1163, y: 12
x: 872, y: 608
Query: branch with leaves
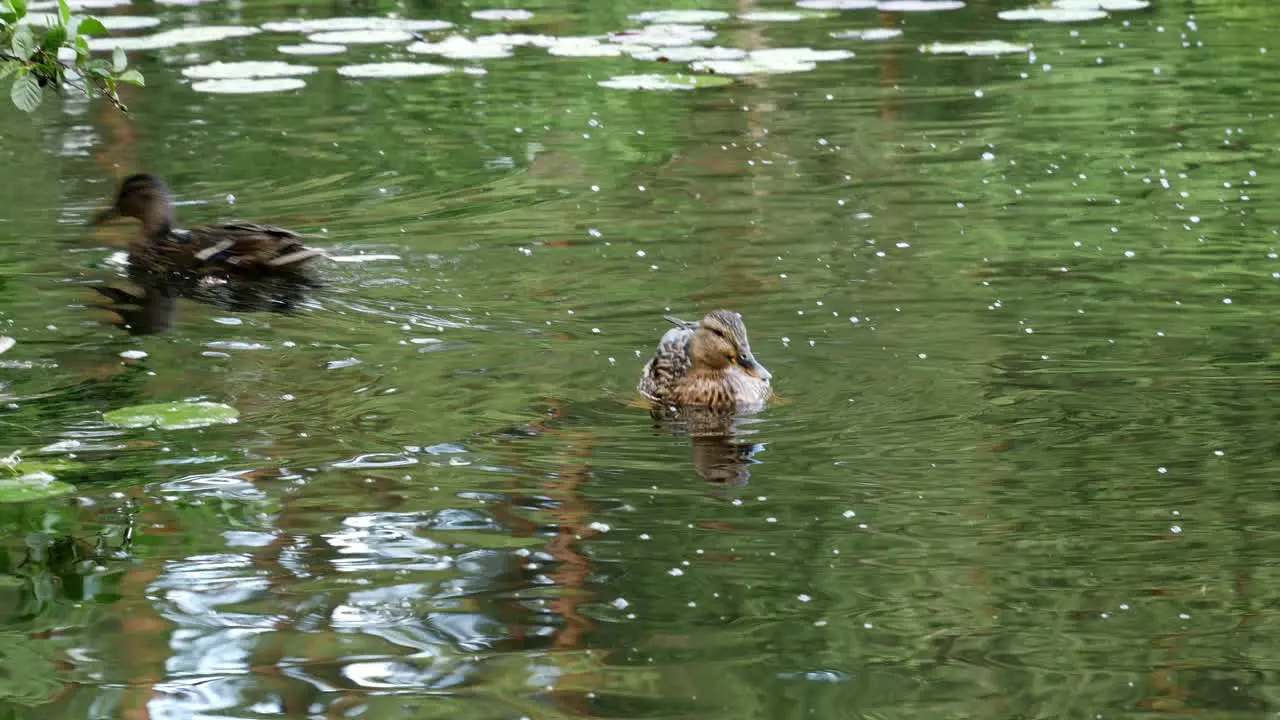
x: 33, y: 56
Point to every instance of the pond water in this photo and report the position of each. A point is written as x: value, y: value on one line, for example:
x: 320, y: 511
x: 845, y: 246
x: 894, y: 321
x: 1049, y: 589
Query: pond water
x: 1013, y: 269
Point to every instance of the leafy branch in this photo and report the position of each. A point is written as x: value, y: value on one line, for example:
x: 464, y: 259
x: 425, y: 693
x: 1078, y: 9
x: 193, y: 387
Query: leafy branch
x: 57, y: 54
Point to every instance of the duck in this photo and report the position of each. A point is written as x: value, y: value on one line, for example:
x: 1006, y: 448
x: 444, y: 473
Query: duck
x: 210, y: 251
x: 706, y: 364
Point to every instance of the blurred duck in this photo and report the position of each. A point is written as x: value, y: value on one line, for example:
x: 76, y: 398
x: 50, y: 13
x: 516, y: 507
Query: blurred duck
x: 706, y: 364
x: 234, y: 249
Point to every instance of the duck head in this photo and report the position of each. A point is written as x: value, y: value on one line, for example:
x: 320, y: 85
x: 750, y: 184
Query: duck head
x: 720, y: 343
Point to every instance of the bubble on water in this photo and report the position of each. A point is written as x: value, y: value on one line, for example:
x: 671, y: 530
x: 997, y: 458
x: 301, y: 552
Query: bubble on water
x: 393, y: 70
x: 675, y: 572
x: 803, y: 598
x: 312, y: 49
x: 360, y: 37
x: 133, y: 354
x: 502, y: 15
x: 248, y: 86
x: 248, y: 69
x: 457, y: 47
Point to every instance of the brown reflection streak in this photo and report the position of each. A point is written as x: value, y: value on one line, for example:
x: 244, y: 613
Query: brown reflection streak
x: 573, y: 569
x: 144, y: 663
x: 888, y: 74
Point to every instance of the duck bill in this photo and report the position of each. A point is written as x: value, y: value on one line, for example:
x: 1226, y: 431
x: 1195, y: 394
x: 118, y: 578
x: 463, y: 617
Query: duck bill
x: 755, y: 369
x: 104, y: 215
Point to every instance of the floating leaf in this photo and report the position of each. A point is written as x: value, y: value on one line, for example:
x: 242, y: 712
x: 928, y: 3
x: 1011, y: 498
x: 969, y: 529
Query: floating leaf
x: 393, y: 70
x: 173, y: 416
x: 312, y: 49
x: 26, y: 92
x: 504, y: 15
x: 247, y: 86
x: 979, y: 47
x: 31, y: 486
x: 219, y: 70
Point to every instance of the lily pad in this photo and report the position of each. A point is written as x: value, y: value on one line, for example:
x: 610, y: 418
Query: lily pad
x: 837, y: 4
x: 664, y: 82
x: 456, y: 47
x: 980, y: 47
x: 355, y: 23
x: 679, y: 16
x: 393, y: 70
x: 918, y: 5
x: 173, y: 38
x: 752, y: 67
x: 502, y: 15
x: 110, y: 22
x: 360, y: 37
x: 663, y: 34
x: 248, y: 69
x: 868, y: 34
x: 312, y: 49
x: 1053, y: 14
x: 173, y: 416
x: 690, y: 53
x: 248, y: 86
x: 585, y: 47
x: 31, y: 486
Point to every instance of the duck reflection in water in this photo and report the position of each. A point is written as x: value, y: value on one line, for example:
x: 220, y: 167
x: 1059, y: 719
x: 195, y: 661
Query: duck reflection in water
x: 701, y: 378
x: 147, y: 305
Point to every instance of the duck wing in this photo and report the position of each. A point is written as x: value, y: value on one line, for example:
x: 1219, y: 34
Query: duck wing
x: 670, y: 364
x: 249, y: 246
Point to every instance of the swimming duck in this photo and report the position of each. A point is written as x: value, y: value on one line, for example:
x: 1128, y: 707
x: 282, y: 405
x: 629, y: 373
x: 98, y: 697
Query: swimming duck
x: 240, y: 249
x: 706, y: 364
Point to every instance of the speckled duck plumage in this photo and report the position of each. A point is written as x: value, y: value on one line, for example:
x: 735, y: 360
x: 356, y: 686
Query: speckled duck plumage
x: 706, y: 364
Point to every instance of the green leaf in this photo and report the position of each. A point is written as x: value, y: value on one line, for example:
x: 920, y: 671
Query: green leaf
x: 7, y: 69
x: 133, y: 77
x: 54, y: 38
x: 82, y: 46
x: 26, y: 92
x: 118, y: 60
x: 173, y: 416
x: 24, y: 43
x: 19, y: 8
x: 64, y: 11
x: 99, y: 68
x: 8, y: 18
x: 92, y: 26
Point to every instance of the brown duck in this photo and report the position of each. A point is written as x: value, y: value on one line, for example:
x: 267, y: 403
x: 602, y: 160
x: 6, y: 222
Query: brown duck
x: 706, y: 364
x: 234, y: 249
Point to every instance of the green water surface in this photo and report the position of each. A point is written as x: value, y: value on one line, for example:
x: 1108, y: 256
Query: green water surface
x: 1020, y: 311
